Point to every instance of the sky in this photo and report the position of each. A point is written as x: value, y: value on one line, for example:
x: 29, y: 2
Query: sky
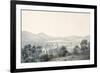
x: 57, y: 24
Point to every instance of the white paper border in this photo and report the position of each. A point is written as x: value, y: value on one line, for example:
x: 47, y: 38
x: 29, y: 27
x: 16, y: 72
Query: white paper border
x: 20, y: 65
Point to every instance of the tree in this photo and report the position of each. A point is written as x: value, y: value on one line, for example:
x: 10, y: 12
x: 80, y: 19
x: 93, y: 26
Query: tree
x: 63, y: 51
x: 33, y: 49
x: 84, y: 45
x: 27, y: 46
x: 76, y: 50
x: 26, y: 53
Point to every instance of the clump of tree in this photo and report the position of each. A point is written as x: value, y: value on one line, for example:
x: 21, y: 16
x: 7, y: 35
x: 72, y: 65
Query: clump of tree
x: 30, y: 53
x: 63, y: 51
x: 76, y: 50
x: 82, y: 48
x: 85, y: 47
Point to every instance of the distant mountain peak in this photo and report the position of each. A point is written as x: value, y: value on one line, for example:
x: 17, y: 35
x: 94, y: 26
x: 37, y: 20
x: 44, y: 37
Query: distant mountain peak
x: 41, y: 33
x: 25, y: 32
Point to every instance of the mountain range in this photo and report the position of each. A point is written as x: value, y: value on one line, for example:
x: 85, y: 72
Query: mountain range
x: 30, y: 38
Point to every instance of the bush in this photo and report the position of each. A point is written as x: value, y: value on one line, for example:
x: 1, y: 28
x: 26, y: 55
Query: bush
x: 85, y: 47
x: 63, y: 51
x: 76, y: 50
x: 84, y: 44
x: 44, y: 57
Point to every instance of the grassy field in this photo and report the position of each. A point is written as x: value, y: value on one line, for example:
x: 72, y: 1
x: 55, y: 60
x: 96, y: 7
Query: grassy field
x: 72, y: 58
